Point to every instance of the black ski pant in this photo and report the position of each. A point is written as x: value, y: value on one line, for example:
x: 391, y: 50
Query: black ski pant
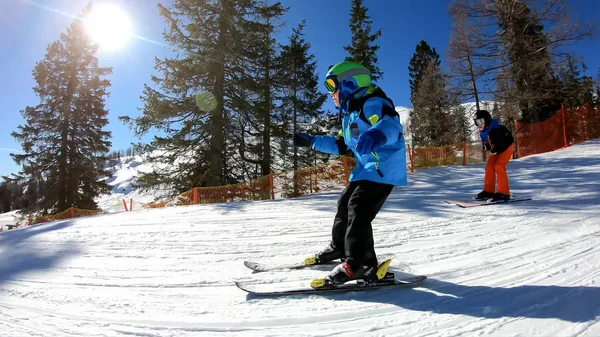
x: 352, y: 232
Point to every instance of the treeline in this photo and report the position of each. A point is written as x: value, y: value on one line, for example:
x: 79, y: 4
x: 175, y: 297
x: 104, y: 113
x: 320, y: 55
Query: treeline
x: 227, y: 102
x: 129, y: 152
x: 510, y: 51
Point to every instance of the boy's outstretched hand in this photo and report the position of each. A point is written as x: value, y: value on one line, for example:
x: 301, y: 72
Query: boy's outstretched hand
x: 370, y: 141
x: 303, y: 140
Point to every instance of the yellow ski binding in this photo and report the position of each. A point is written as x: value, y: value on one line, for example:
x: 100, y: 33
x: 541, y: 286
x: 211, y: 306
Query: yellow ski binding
x: 310, y: 260
x: 382, y: 268
x: 317, y: 283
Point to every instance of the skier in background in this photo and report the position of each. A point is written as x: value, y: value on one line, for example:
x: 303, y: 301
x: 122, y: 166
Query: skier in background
x: 371, y: 130
x: 499, y: 141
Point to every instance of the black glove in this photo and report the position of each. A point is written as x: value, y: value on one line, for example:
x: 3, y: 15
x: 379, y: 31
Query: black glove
x: 303, y: 140
x: 486, y: 146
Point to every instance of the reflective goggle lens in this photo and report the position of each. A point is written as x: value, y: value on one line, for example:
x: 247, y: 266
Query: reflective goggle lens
x: 479, y: 121
x: 330, y: 85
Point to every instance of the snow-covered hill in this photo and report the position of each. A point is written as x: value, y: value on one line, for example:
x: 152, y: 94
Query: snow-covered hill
x: 124, y: 171
x: 523, y: 269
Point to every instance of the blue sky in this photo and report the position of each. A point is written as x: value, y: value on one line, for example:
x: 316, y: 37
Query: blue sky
x: 28, y: 26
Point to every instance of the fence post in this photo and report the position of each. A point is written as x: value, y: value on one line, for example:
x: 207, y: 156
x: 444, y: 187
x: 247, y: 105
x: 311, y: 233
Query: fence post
x: 125, y: 205
x: 465, y: 153
x: 517, y: 140
x: 71, y: 212
x: 131, y: 204
x: 271, y: 185
x: 408, y: 154
x: 585, y: 122
x: 195, y: 196
x: 411, y: 155
x: 562, y: 110
x: 346, y: 173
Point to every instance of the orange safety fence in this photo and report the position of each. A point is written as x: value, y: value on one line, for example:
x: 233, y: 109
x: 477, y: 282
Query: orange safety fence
x: 258, y: 189
x: 456, y: 154
x: 66, y: 214
x: 567, y: 127
x: 313, y: 179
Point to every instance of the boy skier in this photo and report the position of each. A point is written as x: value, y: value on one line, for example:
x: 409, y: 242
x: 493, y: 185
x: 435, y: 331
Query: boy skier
x: 371, y: 129
x: 498, y: 140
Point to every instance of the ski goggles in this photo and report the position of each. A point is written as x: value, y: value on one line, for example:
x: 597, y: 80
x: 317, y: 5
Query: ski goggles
x: 331, y: 84
x: 479, y: 121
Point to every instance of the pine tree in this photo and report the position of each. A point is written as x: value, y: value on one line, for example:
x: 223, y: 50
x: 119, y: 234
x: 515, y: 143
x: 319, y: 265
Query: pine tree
x: 257, y: 84
x: 531, y: 67
x: 418, y: 65
x: 532, y: 51
x: 461, y: 125
x: 5, y: 197
x: 63, y: 138
x: 197, y: 94
x: 431, y: 120
x: 575, y: 89
x: 300, y: 97
x: 363, y: 50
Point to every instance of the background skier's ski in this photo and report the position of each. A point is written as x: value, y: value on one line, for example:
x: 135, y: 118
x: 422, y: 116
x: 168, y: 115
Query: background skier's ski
x: 477, y: 203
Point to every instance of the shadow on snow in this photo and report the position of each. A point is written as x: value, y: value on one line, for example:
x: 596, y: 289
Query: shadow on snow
x: 22, y: 253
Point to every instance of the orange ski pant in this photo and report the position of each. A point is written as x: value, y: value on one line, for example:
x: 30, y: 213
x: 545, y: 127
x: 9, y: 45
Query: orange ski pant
x: 495, y: 170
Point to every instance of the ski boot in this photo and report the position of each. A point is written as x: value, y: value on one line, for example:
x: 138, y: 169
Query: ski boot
x: 330, y: 253
x: 367, y: 273
x: 483, y: 195
x: 343, y: 273
x: 500, y: 197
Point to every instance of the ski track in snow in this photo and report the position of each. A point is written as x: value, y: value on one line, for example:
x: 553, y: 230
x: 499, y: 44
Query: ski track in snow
x: 523, y: 269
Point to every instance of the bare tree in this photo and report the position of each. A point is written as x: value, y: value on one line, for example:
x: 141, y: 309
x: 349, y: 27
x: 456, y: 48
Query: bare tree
x: 465, y: 45
x: 519, y: 42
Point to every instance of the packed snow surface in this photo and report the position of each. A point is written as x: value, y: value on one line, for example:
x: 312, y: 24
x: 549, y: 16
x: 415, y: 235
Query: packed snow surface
x: 522, y: 269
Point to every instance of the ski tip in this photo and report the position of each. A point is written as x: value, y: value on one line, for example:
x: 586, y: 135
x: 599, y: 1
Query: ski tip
x: 416, y: 280
x: 257, y: 267
x: 249, y: 264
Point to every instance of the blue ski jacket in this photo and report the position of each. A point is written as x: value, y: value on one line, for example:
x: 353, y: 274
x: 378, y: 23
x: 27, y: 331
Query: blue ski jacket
x: 373, y: 110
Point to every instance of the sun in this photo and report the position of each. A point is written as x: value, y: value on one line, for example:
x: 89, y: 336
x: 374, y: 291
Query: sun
x: 108, y: 25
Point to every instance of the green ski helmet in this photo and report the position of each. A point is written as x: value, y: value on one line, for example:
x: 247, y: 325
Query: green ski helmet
x: 348, y: 77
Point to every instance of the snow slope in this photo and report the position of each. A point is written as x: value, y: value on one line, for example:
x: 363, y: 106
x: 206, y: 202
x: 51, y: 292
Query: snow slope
x: 8, y: 218
x: 525, y: 269
x: 124, y: 171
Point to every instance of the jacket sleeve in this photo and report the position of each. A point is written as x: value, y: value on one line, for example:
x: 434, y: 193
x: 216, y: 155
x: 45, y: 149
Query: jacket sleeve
x: 500, y: 138
x: 329, y: 144
x: 386, y: 122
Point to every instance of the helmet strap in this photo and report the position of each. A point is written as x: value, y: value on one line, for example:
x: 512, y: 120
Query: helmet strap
x: 342, y: 109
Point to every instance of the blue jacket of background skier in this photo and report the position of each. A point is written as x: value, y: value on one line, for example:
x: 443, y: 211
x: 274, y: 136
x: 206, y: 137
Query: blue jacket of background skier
x: 388, y: 164
x: 494, y: 124
x: 496, y: 137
